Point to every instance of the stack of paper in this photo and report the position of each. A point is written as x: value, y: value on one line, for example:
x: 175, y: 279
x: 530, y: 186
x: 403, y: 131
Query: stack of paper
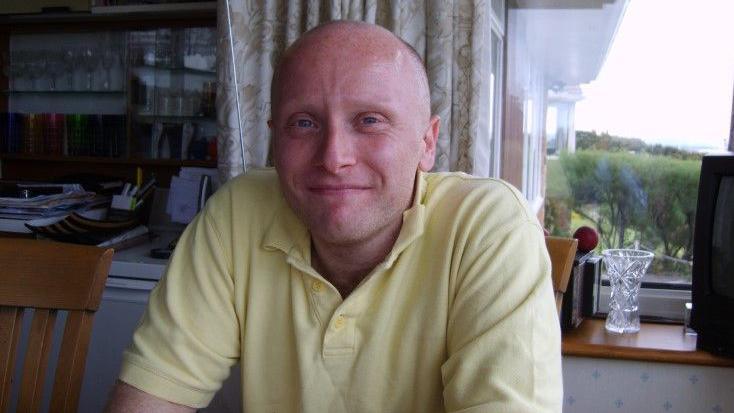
x: 14, y: 211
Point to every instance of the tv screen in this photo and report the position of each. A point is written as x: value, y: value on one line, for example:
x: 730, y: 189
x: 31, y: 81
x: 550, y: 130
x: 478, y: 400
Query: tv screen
x: 722, y: 240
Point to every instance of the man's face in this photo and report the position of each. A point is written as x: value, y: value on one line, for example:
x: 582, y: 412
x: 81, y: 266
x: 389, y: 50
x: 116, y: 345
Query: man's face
x: 350, y: 133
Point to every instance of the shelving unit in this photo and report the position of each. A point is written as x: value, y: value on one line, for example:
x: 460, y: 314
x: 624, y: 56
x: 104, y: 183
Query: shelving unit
x: 152, y: 107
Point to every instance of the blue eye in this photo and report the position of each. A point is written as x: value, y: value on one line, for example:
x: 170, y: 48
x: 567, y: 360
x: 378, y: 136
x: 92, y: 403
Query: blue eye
x: 370, y: 120
x: 304, y: 123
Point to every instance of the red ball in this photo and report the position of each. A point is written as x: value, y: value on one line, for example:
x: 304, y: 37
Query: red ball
x: 588, y: 238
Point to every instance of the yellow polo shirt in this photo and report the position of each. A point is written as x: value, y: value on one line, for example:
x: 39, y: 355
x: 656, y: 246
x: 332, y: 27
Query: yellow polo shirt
x: 459, y: 317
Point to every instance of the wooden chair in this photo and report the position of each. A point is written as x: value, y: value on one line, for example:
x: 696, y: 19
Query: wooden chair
x: 562, y: 252
x: 48, y: 277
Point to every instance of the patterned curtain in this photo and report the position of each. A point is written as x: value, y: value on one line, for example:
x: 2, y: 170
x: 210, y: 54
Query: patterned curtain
x: 452, y: 36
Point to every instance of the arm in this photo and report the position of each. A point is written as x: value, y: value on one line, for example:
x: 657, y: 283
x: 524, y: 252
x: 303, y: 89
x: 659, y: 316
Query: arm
x: 188, y: 337
x: 503, y: 339
x: 126, y: 398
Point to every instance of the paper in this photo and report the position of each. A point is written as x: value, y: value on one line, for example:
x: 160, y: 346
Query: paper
x: 182, y: 199
x: 196, y: 173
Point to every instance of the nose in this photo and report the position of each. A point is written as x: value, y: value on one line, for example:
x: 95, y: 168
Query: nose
x: 336, y: 151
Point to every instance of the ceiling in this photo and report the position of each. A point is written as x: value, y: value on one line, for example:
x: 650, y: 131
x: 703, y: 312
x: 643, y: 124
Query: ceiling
x: 570, y: 43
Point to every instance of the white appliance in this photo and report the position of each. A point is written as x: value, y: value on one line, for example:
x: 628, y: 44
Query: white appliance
x: 133, y: 274
x: 123, y: 303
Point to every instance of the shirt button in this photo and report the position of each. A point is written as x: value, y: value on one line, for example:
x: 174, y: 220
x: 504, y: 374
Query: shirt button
x: 339, y: 322
x: 317, y: 286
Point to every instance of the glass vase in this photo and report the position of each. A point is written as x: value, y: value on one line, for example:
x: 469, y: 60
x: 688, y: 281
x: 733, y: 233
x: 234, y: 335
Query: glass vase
x: 625, y: 269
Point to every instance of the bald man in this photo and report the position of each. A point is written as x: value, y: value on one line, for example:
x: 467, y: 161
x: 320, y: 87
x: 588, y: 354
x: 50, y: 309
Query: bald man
x: 349, y: 279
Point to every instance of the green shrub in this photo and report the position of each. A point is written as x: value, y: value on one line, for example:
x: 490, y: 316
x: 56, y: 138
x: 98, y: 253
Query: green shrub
x: 628, y: 197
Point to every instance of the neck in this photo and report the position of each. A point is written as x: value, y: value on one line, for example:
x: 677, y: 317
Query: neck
x: 345, y: 266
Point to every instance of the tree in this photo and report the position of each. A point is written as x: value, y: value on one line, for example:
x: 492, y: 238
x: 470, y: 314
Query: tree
x: 629, y: 197
x: 607, y: 191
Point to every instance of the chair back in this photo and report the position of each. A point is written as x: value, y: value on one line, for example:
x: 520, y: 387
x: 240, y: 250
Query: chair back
x: 562, y: 252
x: 48, y: 277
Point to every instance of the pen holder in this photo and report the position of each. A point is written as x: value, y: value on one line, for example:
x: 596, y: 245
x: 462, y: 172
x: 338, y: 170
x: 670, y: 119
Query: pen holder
x: 123, y: 208
x: 123, y: 202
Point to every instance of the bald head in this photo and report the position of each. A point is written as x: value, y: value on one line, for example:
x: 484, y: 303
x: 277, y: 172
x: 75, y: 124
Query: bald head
x: 342, y: 41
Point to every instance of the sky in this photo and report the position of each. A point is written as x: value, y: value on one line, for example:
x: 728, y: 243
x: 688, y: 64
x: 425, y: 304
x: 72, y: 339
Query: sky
x: 669, y: 76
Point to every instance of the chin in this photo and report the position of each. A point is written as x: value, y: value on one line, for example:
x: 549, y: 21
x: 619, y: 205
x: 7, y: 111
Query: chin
x: 338, y: 234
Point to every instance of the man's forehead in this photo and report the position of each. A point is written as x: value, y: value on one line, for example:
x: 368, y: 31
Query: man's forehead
x: 366, y: 45
x: 352, y: 52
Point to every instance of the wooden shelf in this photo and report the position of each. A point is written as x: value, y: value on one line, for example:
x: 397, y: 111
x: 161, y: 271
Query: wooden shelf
x: 78, y: 25
x: 136, y: 17
x: 119, y: 161
x: 45, y: 168
x: 654, y: 342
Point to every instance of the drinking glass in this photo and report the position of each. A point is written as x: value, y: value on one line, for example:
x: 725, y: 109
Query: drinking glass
x: 69, y: 60
x: 625, y: 269
x: 109, y: 58
x: 77, y: 134
x: 54, y: 67
x: 90, y: 61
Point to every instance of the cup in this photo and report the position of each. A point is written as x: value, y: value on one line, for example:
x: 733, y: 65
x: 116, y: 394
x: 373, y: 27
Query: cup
x: 625, y: 269
x: 53, y: 133
x: 77, y: 134
x: 33, y: 133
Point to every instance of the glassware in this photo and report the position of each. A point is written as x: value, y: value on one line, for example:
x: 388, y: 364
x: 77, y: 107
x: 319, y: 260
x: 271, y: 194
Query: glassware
x: 33, y: 133
x: 164, y: 48
x: 625, y: 269
x: 54, y: 66
x: 53, y: 133
x: 109, y: 58
x: 164, y: 101
x: 36, y: 71
x: 90, y: 60
x: 69, y: 61
x: 77, y: 134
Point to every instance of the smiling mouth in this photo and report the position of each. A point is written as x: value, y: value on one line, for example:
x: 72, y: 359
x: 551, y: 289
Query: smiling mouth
x: 337, y: 189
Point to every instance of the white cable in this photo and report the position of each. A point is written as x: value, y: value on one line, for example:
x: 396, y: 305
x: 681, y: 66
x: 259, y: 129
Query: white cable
x: 234, y: 78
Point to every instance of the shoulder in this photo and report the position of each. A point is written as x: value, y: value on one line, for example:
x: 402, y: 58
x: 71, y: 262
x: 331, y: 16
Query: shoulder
x: 247, y: 201
x: 256, y: 183
x: 255, y: 190
x: 485, y: 204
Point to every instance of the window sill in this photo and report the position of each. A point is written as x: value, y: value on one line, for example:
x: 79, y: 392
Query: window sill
x: 654, y: 342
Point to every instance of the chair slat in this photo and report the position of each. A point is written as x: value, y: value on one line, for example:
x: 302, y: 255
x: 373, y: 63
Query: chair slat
x: 72, y: 359
x: 36, y: 360
x: 11, y: 319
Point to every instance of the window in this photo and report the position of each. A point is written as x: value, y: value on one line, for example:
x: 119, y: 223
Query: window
x: 627, y: 160
x: 523, y: 138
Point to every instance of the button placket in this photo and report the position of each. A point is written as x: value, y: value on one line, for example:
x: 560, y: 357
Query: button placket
x: 339, y: 337
x: 339, y: 322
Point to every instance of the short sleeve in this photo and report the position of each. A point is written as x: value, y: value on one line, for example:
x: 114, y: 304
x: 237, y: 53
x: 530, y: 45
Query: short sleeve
x: 189, y: 336
x: 503, y: 334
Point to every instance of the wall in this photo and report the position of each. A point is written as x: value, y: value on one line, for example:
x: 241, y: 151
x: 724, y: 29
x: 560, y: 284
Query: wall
x: 605, y: 385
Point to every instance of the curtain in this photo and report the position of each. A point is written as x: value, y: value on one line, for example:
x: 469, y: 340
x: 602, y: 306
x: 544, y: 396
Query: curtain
x: 452, y: 37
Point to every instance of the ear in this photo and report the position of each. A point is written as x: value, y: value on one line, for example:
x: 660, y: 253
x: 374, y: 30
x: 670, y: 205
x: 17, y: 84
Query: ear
x: 428, y: 157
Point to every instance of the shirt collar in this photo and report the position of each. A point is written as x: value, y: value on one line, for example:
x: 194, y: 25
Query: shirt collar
x: 288, y: 234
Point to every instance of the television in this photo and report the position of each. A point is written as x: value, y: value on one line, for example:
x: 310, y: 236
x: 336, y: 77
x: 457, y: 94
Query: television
x: 712, y: 292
